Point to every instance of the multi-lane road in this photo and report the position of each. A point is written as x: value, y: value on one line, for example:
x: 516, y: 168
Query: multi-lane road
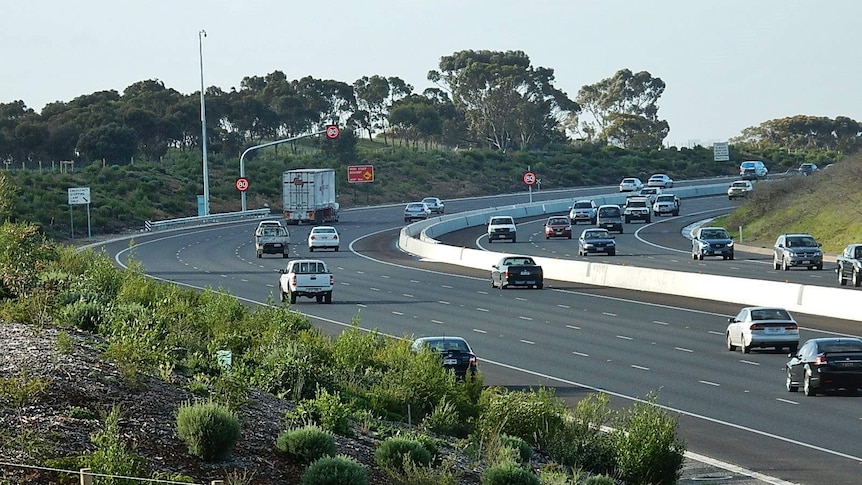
x: 575, y: 338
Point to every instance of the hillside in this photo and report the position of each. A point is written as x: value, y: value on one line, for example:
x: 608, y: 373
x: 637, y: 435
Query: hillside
x: 60, y: 417
x: 827, y: 204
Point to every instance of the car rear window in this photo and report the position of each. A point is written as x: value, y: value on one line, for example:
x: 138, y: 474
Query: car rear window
x: 609, y: 212
x: 839, y: 347
x: 582, y: 205
x: 770, y: 314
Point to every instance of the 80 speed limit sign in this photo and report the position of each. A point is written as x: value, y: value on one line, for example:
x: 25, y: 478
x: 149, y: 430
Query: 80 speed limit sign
x: 529, y: 178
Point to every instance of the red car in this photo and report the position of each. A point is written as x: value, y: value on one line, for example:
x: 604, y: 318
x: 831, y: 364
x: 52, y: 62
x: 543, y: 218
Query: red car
x: 558, y: 226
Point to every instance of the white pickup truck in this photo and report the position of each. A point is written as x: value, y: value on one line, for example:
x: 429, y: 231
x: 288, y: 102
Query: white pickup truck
x: 271, y: 239
x: 310, y: 278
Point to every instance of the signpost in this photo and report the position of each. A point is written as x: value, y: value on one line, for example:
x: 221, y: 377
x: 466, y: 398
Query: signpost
x: 720, y: 151
x: 530, y: 179
x: 360, y: 173
x: 79, y: 196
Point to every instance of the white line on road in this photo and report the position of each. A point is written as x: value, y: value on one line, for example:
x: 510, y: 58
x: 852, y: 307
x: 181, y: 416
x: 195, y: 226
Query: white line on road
x: 437, y: 322
x: 407, y: 295
x: 528, y: 342
x: 525, y: 318
x: 397, y: 313
x: 483, y: 310
x: 374, y: 289
x: 574, y: 327
x: 479, y: 331
x: 446, y: 286
x: 640, y: 367
x: 710, y: 383
x: 683, y: 349
x: 624, y: 337
x: 609, y: 314
x: 658, y: 322
x: 564, y: 306
x: 749, y: 362
x: 788, y: 401
x: 581, y: 354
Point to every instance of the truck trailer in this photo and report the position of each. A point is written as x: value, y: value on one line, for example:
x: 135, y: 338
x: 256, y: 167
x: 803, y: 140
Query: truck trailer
x: 309, y: 196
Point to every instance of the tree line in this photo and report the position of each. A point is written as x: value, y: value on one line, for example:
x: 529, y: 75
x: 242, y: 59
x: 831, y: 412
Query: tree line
x: 481, y: 99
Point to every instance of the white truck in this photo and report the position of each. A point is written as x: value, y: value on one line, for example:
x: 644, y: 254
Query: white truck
x: 310, y: 278
x: 309, y: 196
x: 271, y: 239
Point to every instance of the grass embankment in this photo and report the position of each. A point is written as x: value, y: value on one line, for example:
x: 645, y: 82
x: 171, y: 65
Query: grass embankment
x: 827, y: 205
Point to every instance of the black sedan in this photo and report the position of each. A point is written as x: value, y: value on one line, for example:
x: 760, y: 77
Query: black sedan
x: 826, y: 364
x: 455, y: 353
x: 596, y: 241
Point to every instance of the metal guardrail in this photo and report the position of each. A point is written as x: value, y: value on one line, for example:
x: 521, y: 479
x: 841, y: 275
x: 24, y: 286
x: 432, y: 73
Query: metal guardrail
x: 156, y: 226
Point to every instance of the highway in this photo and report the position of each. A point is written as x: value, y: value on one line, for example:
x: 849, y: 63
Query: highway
x: 575, y: 338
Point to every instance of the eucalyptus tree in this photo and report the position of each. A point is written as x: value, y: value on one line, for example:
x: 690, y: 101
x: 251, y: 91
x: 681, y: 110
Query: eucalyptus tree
x: 505, y: 100
x: 622, y: 104
x: 415, y: 119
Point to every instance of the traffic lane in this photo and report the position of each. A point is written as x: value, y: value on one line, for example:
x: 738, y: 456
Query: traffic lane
x: 632, y: 250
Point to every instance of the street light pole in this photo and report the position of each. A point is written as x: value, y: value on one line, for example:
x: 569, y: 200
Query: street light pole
x: 201, y: 35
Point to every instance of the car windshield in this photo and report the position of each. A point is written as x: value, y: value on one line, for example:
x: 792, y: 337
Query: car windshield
x: 597, y: 235
x: 609, y: 212
x: 740, y: 184
x: 582, y: 205
x: 714, y: 234
x: 801, y: 242
x: 770, y: 314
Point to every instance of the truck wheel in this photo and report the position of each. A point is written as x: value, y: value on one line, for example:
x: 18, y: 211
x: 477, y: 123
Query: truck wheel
x: 284, y: 255
x: 311, y: 248
x: 490, y: 240
x: 282, y: 296
x: 648, y: 220
x: 292, y: 298
x: 514, y: 238
x: 318, y: 298
x: 857, y: 278
x: 593, y: 221
x: 259, y: 255
x: 675, y: 213
x: 327, y: 298
x: 336, y: 249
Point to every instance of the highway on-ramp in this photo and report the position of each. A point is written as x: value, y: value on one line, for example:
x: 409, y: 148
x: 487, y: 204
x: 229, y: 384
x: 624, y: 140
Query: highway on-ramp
x: 575, y: 338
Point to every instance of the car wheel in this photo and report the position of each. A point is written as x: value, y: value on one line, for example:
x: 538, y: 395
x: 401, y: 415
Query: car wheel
x: 775, y: 264
x: 841, y: 280
x: 292, y: 297
x: 789, y: 383
x: 490, y: 240
x: 744, y: 348
x: 793, y: 349
x: 282, y: 296
x: 621, y: 229
x: 785, y: 266
x: 259, y: 255
x: 612, y: 253
x: 318, y: 298
x: 730, y: 256
x: 694, y: 256
x: 675, y: 213
x: 336, y: 249
x: 857, y: 278
x: 648, y: 220
x: 628, y: 221
x: 806, y: 386
x: 327, y: 298
x: 700, y: 257
x: 820, y: 267
x: 540, y: 286
x: 570, y: 236
x: 593, y: 221
x: 284, y: 255
x: 730, y: 346
x: 493, y: 285
x: 514, y: 239
x: 311, y: 249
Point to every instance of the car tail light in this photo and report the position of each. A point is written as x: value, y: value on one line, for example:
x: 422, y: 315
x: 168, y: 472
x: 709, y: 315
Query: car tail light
x: 474, y: 361
x: 331, y: 280
x: 506, y: 274
x: 820, y: 360
x: 293, y: 280
x: 756, y: 326
x: 312, y: 238
x: 335, y: 236
x: 791, y: 326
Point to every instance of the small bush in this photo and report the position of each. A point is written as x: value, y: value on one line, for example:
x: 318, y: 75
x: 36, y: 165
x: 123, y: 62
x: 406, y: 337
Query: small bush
x: 444, y: 420
x: 326, y: 410
x: 600, y: 480
x: 395, y: 452
x: 64, y: 343
x: 647, y: 446
x: 83, y: 315
x: 307, y: 444
x: 534, y: 416
x: 337, y: 470
x: 209, y: 430
x: 111, y: 456
x: 77, y: 412
x: 23, y: 390
x: 523, y: 449
x: 509, y: 474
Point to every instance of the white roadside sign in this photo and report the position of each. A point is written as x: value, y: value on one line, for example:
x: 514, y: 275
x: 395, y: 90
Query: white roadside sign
x: 79, y: 195
x: 720, y: 151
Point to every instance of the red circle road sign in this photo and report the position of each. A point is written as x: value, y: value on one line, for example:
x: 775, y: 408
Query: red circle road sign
x: 241, y: 184
x: 529, y: 178
x: 332, y: 132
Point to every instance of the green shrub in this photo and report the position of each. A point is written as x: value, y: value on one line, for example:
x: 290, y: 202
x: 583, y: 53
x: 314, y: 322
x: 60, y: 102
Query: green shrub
x: 600, y: 480
x: 23, y: 389
x: 82, y: 314
x: 445, y: 420
x: 337, y: 470
x: 112, y: 457
x: 393, y: 453
x: 64, y: 343
x: 210, y: 430
x: 77, y: 412
x: 647, y: 446
x: 533, y: 416
x: 523, y: 449
x: 326, y: 410
x: 580, y: 442
x: 509, y: 473
x: 307, y: 444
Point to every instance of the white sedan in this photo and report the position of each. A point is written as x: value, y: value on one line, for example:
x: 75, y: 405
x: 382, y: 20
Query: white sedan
x: 660, y: 180
x: 762, y: 327
x: 631, y: 184
x: 323, y: 237
x: 434, y: 204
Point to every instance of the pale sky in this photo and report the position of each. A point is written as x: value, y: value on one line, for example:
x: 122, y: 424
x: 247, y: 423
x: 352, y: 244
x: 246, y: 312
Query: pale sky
x: 727, y: 64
